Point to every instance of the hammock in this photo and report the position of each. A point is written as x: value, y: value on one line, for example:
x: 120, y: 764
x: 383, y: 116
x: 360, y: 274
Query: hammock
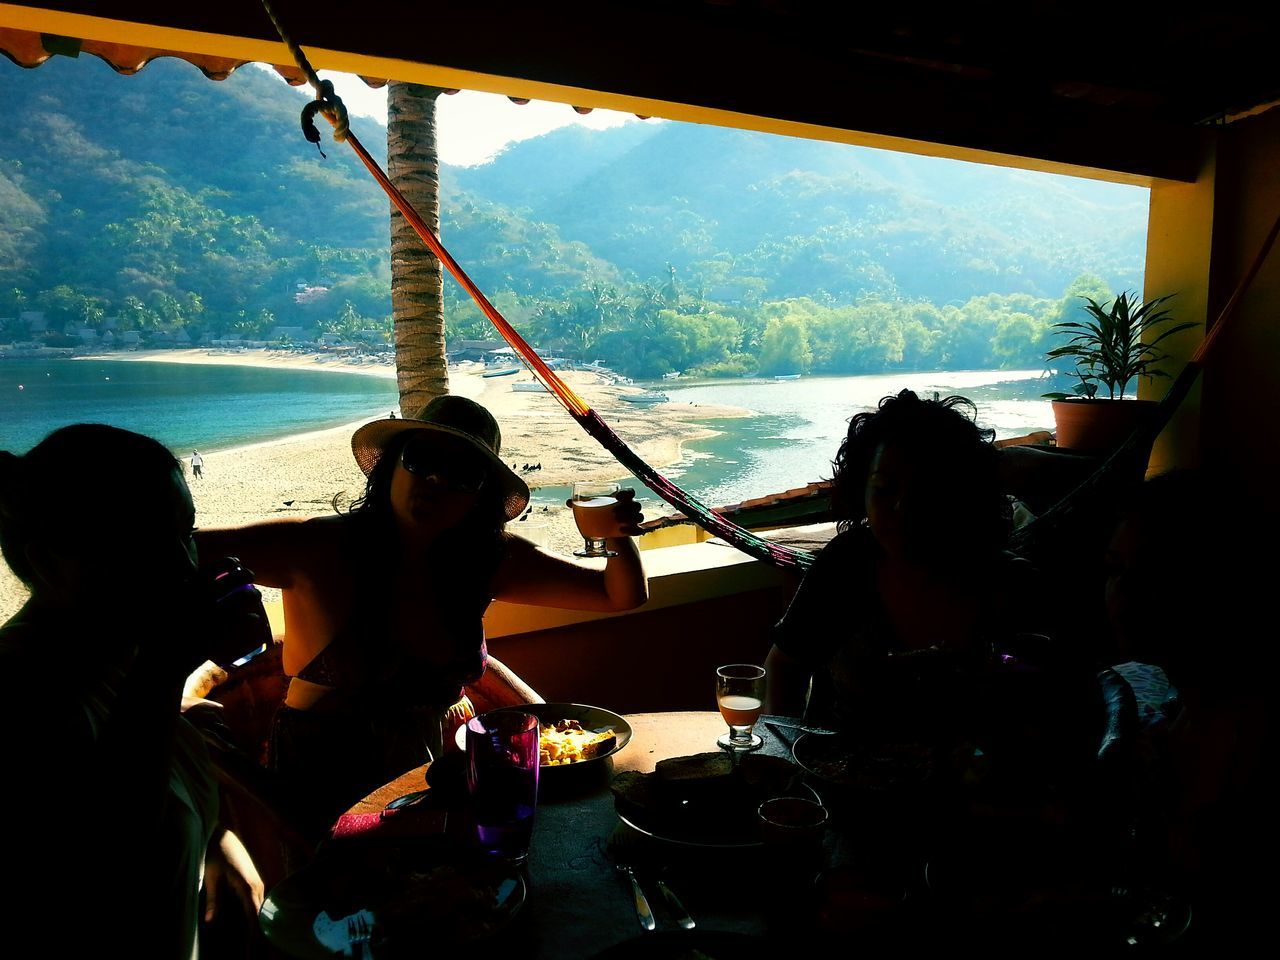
x: 1049, y: 531
x: 590, y: 421
x: 330, y: 106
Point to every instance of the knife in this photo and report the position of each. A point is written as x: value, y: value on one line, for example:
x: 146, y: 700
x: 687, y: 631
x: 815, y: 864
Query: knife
x: 677, y: 908
x: 793, y: 725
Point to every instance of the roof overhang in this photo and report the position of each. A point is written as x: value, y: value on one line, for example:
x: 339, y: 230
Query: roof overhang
x: 1054, y: 86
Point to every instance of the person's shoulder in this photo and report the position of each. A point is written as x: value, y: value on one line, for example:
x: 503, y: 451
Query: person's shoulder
x: 322, y: 540
x: 515, y: 551
x: 41, y: 703
x: 849, y: 548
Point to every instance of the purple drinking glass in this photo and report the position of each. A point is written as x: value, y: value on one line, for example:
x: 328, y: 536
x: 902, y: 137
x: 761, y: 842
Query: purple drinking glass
x: 502, y: 778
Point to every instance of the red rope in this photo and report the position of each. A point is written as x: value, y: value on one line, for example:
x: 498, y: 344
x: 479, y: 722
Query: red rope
x: 578, y: 408
x: 575, y: 404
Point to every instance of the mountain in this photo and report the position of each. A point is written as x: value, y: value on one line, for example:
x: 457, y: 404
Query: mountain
x: 164, y: 199
x: 808, y: 216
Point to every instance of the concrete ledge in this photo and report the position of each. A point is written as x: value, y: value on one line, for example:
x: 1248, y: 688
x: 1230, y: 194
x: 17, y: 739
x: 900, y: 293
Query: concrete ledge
x: 677, y: 576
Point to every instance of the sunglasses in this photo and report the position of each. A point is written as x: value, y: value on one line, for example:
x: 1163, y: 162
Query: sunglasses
x: 458, y: 468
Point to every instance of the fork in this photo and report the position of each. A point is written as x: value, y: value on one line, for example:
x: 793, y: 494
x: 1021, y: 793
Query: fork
x: 358, y: 933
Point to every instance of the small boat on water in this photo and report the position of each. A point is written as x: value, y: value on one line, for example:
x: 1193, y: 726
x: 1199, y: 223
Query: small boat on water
x: 501, y: 372
x: 787, y: 376
x: 528, y: 386
x: 648, y: 396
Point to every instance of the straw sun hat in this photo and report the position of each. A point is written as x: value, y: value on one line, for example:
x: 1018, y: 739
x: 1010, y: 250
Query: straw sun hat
x: 457, y: 417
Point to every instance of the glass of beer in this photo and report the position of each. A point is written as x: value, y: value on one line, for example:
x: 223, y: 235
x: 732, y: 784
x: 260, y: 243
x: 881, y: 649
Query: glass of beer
x: 740, y: 696
x: 593, y: 505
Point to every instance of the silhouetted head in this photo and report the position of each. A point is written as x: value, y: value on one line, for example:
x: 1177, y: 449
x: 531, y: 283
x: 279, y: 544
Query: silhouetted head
x: 922, y: 476
x: 438, y: 471
x: 77, y: 537
x: 431, y: 483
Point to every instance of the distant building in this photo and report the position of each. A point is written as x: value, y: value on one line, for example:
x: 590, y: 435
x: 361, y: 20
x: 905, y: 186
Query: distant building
x: 293, y: 334
x: 170, y: 338
x: 471, y: 349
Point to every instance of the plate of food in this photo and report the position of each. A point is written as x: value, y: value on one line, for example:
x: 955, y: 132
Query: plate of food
x: 706, y: 800
x: 368, y: 902
x: 570, y: 734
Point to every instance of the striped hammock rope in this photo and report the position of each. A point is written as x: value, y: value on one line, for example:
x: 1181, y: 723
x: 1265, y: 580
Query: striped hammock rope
x: 749, y: 543
x: 329, y: 105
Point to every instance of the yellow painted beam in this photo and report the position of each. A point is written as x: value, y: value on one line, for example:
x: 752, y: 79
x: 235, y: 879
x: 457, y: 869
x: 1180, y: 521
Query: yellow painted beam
x: 250, y: 49
x: 1180, y: 232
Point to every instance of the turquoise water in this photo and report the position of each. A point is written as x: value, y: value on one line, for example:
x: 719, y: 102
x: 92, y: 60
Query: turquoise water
x: 800, y: 423
x: 791, y: 441
x: 184, y: 406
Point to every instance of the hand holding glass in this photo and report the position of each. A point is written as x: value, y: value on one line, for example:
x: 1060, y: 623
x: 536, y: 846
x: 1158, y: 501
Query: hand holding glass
x: 740, y: 696
x: 593, y: 505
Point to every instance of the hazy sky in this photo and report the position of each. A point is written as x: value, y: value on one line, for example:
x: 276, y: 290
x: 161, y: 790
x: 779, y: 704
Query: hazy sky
x: 471, y: 127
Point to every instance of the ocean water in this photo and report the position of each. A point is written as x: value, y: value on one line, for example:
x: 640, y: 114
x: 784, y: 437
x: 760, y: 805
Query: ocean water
x: 797, y: 428
x: 185, y: 406
x: 799, y: 425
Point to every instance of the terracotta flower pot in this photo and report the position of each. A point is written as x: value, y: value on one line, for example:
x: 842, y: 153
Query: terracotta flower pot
x: 1098, y: 426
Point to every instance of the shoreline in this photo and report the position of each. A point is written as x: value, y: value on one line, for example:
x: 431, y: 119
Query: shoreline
x: 297, y: 477
x: 262, y: 359
x: 494, y: 393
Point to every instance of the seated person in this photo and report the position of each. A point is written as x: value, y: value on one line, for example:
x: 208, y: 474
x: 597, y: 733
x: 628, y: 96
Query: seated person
x: 109, y: 801
x: 1184, y: 602
x: 915, y: 626
x: 916, y: 585
x: 384, y: 603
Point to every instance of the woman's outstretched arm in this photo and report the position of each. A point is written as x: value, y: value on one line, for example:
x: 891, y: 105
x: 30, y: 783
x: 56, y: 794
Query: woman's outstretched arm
x: 274, y: 550
x: 528, y: 575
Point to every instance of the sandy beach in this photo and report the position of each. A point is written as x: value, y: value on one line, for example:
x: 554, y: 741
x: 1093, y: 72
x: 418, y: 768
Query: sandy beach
x: 301, y: 475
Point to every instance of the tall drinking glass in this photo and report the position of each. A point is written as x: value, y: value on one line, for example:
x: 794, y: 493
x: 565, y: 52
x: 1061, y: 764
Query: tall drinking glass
x: 740, y: 696
x: 502, y: 778
x: 593, y: 505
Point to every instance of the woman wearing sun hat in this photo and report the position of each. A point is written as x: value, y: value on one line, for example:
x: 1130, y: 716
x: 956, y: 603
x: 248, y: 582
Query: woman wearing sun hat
x: 383, y: 603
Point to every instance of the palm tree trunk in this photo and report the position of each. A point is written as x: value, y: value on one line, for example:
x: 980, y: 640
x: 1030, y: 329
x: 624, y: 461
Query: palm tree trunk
x: 417, y: 284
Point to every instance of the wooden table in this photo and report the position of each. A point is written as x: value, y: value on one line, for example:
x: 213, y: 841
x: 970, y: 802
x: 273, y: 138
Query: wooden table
x: 579, y: 904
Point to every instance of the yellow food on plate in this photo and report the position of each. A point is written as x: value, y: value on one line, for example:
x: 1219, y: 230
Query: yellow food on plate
x: 565, y: 741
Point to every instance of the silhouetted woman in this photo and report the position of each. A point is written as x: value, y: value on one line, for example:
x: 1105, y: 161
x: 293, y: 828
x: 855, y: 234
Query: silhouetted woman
x: 109, y: 804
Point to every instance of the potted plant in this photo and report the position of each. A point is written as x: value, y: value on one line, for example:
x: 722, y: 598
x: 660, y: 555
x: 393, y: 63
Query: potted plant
x: 1113, y: 347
